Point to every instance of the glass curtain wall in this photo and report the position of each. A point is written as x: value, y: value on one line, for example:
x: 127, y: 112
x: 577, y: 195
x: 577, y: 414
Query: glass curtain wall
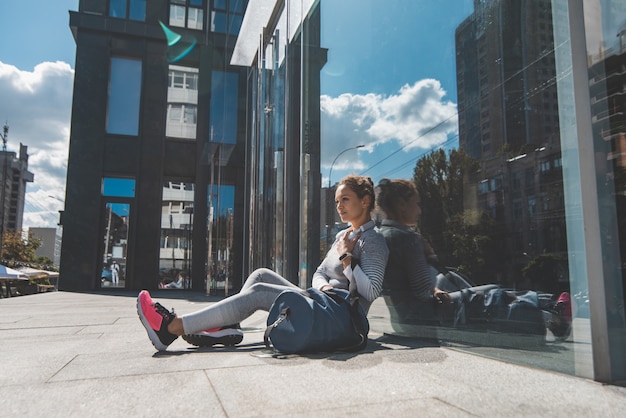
x: 508, y: 118
x: 283, y: 135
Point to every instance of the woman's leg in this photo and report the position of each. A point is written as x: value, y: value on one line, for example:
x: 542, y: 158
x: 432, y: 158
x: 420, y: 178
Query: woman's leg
x: 258, y: 293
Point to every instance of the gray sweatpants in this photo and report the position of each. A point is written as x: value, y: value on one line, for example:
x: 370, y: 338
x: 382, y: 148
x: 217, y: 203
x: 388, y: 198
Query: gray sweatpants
x: 258, y: 293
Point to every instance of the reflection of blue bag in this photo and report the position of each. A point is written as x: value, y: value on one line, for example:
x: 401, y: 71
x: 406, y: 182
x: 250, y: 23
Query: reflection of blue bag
x: 316, y: 321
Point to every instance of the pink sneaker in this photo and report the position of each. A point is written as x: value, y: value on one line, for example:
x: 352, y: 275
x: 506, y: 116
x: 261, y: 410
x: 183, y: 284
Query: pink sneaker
x: 155, y: 319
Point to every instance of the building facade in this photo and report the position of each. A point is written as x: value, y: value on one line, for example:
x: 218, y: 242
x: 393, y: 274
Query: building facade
x: 180, y: 163
x: 50, y: 243
x: 15, y: 176
x: 156, y: 158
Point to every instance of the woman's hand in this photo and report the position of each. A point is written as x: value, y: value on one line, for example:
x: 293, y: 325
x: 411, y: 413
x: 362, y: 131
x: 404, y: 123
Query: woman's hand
x: 345, y: 244
x: 441, y: 296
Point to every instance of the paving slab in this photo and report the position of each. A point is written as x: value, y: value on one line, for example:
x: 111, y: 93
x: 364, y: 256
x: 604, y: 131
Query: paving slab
x: 87, y: 354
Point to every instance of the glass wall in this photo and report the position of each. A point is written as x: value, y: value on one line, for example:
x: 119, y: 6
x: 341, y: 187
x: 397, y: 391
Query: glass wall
x: 279, y: 41
x: 508, y: 118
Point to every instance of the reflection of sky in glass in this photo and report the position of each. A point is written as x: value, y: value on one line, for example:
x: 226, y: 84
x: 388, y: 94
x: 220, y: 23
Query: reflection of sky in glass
x: 124, y: 97
x: 117, y: 187
x: 120, y: 209
x: 224, y: 107
x: 386, y: 66
x: 226, y: 198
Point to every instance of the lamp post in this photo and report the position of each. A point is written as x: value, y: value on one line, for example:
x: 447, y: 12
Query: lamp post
x: 330, y: 217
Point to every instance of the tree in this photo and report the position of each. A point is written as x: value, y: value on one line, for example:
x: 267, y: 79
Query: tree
x: 17, y: 249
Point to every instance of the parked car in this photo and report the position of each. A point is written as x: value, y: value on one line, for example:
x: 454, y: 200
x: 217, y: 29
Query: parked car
x: 106, y: 275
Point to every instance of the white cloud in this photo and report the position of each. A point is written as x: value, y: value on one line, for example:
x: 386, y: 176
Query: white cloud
x: 37, y: 107
x: 417, y: 116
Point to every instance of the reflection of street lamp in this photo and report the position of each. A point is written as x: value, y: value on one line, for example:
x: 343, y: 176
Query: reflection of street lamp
x: 335, y: 160
x: 330, y: 217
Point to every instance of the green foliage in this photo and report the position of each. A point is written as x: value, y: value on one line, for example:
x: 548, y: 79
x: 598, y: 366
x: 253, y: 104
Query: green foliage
x: 16, y: 248
x: 439, y: 179
x: 471, y: 237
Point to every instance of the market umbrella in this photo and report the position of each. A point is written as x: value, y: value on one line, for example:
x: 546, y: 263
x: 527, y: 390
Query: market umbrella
x: 9, y: 273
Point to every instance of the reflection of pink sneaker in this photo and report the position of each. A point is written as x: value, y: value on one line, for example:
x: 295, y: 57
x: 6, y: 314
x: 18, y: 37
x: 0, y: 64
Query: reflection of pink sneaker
x: 228, y: 335
x: 155, y: 318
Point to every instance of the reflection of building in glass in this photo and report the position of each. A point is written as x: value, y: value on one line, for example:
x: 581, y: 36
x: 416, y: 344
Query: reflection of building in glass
x: 508, y: 120
x: 607, y: 78
x: 176, y: 230
x: 182, y: 102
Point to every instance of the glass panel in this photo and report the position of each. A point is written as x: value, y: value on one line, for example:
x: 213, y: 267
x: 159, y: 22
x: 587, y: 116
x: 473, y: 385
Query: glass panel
x: 182, y: 97
x: 115, y: 245
x: 176, y: 236
x: 124, y: 97
x: 138, y: 10
x: 118, y: 187
x: 219, y: 4
x: 196, y: 2
x: 236, y: 6
x: 218, y: 22
x: 235, y: 24
x: 221, y: 200
x: 224, y: 107
x: 177, y: 15
x: 477, y: 129
x: 606, y: 46
x: 195, y: 18
x: 117, y: 8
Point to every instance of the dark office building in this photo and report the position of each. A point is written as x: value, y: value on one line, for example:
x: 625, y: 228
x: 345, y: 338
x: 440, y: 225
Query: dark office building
x: 175, y: 173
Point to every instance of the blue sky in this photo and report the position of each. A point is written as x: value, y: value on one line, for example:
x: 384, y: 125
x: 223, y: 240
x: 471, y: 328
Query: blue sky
x: 389, y: 79
x: 36, y: 78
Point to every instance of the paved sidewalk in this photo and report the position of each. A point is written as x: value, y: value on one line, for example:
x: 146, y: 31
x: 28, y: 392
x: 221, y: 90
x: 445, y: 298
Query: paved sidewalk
x: 87, y: 355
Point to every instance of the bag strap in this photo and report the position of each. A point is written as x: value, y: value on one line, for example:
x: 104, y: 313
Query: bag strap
x: 281, y: 317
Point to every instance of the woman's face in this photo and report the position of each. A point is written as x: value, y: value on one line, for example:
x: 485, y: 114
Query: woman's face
x: 410, y: 211
x: 350, y: 207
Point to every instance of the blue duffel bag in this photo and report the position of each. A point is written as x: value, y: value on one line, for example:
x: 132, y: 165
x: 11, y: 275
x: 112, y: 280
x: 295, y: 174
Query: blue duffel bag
x: 316, y: 321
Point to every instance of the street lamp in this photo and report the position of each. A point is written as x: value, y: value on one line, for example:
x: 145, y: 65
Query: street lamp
x: 330, y: 217
x: 335, y: 160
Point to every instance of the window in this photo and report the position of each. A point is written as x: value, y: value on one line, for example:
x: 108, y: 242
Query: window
x: 224, y: 107
x: 124, y: 96
x: 182, y: 98
x: 226, y: 16
x: 128, y: 9
x: 118, y: 187
x: 187, y: 14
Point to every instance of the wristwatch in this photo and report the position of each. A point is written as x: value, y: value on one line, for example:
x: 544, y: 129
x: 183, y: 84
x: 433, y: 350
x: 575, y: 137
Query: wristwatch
x: 344, y: 255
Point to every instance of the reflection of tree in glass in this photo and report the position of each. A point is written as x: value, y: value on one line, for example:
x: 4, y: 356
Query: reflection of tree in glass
x: 466, y: 239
